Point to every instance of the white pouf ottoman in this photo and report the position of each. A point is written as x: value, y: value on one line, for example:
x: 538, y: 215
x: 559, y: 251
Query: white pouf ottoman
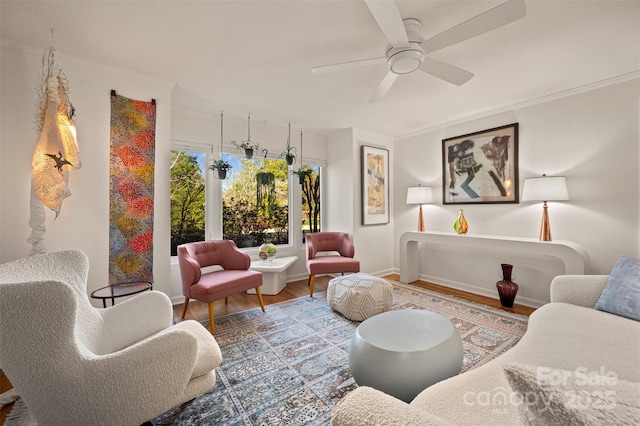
x: 403, y: 352
x: 359, y: 296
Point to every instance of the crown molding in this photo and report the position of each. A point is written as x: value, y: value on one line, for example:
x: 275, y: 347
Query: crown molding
x: 520, y: 105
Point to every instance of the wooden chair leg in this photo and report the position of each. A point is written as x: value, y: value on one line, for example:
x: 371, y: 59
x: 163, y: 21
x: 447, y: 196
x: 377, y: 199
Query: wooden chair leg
x: 226, y: 300
x: 186, y: 305
x: 211, y: 326
x: 259, y: 293
x: 312, y: 281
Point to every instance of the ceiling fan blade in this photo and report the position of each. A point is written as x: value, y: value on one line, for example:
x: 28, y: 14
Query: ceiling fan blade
x: 479, y: 24
x: 384, y: 86
x: 446, y: 72
x: 348, y: 65
x: 389, y: 20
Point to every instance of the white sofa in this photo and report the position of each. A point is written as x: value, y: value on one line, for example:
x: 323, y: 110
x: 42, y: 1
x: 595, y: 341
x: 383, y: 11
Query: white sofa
x: 566, y: 335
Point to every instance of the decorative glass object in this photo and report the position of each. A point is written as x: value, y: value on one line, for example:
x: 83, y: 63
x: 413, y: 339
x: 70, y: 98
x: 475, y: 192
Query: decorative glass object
x: 507, y: 289
x: 461, y: 226
x: 267, y: 252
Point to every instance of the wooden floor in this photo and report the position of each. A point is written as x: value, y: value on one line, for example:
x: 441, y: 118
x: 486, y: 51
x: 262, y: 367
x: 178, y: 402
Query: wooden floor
x: 241, y: 302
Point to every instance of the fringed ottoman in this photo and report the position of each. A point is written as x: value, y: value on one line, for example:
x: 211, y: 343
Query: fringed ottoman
x: 359, y: 296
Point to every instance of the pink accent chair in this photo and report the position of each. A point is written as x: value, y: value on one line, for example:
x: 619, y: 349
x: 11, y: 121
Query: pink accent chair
x: 339, y: 242
x: 234, y: 277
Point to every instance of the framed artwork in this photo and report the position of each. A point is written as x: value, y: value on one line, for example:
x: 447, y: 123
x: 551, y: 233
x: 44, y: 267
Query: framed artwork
x: 481, y: 167
x: 375, y: 185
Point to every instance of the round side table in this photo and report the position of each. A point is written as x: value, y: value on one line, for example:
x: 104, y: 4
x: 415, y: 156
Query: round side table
x: 120, y: 290
x: 403, y: 352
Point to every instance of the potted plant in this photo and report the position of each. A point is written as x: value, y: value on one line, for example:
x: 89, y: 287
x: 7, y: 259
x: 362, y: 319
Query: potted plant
x: 302, y: 173
x: 289, y: 154
x: 248, y: 146
x: 221, y: 166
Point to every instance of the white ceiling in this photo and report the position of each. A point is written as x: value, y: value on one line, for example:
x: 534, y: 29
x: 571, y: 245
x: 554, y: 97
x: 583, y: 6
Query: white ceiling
x: 256, y: 56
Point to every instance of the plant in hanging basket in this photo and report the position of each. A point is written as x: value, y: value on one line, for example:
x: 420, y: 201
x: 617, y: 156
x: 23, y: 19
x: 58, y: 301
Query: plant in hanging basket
x: 302, y: 173
x: 246, y: 144
x: 249, y: 147
x: 289, y: 153
x: 221, y: 166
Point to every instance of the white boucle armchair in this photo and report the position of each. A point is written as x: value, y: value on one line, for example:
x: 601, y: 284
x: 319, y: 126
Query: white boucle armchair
x: 74, y: 364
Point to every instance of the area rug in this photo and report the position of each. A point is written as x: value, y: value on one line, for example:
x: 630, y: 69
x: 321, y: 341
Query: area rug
x: 289, y: 366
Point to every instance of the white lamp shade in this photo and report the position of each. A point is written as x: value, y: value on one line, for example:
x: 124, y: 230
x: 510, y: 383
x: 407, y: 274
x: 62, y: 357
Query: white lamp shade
x: 419, y: 195
x: 546, y: 188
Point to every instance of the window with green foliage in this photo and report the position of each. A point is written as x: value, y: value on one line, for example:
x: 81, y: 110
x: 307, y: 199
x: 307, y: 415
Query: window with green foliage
x: 309, y: 179
x: 255, y: 201
x: 187, y: 186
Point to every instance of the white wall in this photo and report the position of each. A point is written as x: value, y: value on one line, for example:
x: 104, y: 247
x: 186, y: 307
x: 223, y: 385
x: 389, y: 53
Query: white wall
x: 592, y: 138
x: 84, y: 218
x: 340, y: 178
x: 373, y: 244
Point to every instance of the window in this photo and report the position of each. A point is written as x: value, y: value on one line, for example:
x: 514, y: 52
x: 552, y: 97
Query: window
x: 310, y: 186
x: 187, y: 193
x: 255, y: 201
x: 253, y: 206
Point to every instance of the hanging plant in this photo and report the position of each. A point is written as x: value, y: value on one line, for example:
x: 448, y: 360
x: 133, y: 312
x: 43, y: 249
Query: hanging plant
x: 249, y: 146
x: 289, y: 153
x: 221, y: 166
x: 265, y: 191
x: 303, y: 173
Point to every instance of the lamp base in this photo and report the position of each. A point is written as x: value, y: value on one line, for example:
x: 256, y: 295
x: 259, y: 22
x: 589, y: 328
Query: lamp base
x: 545, y: 227
x: 420, y: 220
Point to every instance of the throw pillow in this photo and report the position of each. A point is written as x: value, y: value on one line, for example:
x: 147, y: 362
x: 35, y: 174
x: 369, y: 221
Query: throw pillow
x: 621, y: 294
x: 548, y: 396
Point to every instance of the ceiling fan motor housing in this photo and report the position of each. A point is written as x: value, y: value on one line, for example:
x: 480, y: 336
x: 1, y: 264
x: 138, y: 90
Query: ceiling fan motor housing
x: 403, y: 60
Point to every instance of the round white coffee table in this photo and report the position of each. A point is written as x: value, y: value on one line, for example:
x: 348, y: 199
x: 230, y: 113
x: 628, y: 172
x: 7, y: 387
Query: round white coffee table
x: 403, y: 352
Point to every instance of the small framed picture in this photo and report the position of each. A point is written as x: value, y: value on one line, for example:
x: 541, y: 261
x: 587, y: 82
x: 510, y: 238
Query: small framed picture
x: 481, y: 167
x: 375, y: 185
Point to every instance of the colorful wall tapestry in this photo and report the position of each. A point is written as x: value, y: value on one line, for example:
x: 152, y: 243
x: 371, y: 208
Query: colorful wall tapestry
x: 131, y: 190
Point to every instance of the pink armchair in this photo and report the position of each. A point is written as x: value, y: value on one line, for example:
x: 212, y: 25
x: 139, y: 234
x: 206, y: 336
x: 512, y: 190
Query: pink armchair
x: 339, y: 242
x: 234, y: 277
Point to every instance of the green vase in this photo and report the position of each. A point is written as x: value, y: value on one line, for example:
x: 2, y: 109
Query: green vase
x: 461, y: 226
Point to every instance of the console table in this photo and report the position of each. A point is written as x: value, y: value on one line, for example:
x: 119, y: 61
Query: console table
x: 573, y: 255
x: 274, y: 274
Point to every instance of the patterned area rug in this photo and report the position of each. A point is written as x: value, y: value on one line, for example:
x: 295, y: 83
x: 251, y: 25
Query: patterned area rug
x: 289, y: 366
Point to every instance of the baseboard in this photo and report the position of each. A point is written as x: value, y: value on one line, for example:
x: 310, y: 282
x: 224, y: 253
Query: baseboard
x: 525, y: 301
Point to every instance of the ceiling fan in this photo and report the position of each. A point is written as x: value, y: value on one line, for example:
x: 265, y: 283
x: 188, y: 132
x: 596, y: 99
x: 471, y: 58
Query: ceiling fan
x: 407, y: 50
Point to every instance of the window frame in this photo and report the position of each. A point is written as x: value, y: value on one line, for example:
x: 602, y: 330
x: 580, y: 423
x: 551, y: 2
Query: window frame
x: 213, y: 196
x: 207, y: 150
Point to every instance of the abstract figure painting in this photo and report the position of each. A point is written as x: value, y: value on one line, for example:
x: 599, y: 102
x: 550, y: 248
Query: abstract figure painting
x: 132, y: 166
x: 481, y: 167
x: 375, y: 186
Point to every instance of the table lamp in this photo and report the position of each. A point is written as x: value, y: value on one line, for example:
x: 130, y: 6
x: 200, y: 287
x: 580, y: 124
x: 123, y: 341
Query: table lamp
x: 420, y: 195
x: 545, y: 188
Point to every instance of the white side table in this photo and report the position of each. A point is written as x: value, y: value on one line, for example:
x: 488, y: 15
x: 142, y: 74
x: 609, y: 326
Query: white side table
x: 274, y: 274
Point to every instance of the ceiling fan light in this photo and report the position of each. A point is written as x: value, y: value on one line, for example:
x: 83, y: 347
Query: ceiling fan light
x: 405, y: 61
